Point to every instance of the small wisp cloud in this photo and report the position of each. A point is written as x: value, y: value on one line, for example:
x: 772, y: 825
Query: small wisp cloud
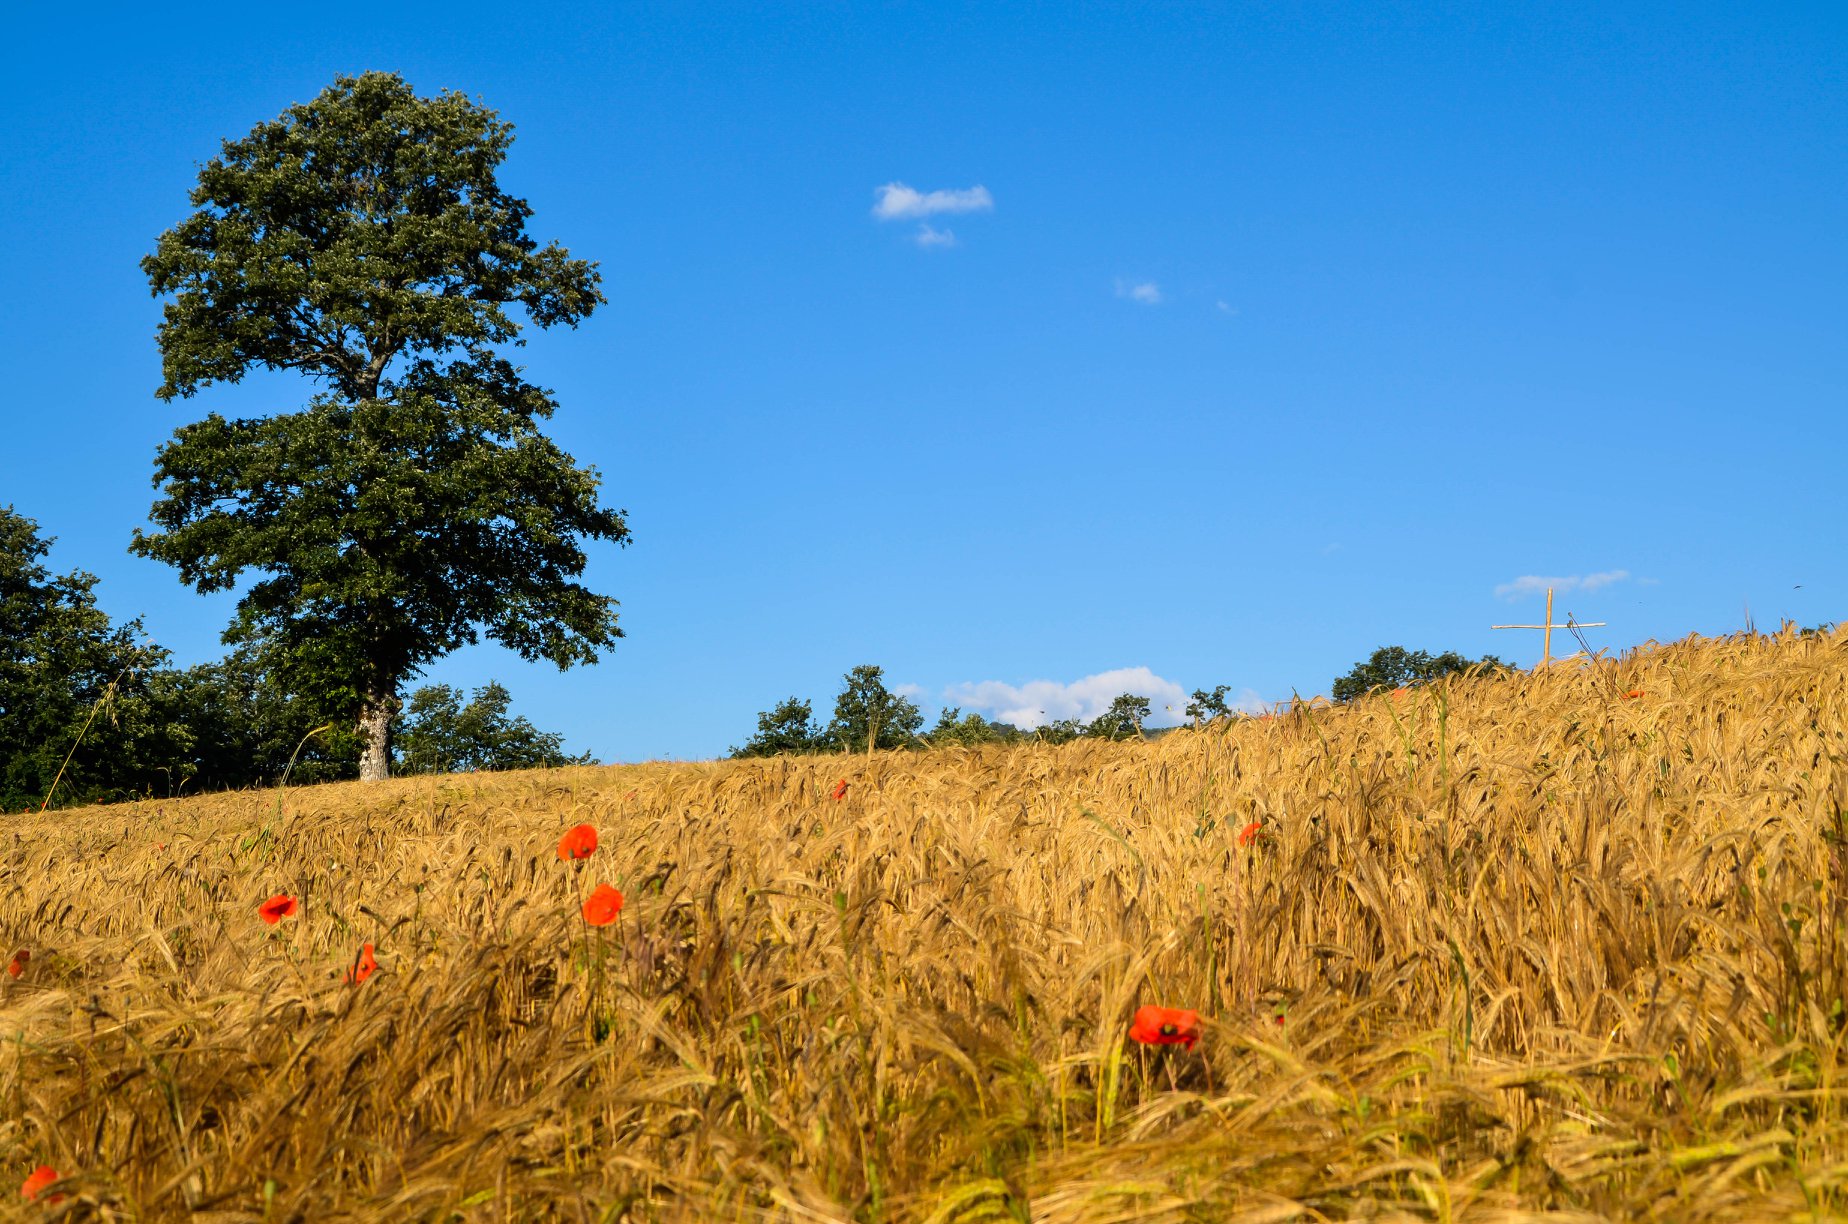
x: 1146, y: 293
x: 900, y: 202
x: 1534, y: 584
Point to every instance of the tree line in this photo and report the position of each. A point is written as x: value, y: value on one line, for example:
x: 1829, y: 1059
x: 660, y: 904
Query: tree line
x: 101, y: 711
x: 867, y: 714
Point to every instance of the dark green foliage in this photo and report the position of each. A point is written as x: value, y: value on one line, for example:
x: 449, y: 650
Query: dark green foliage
x: 866, y: 711
x: 1207, y: 706
x: 442, y: 735
x: 1123, y: 720
x: 60, y: 662
x: 163, y: 731
x: 955, y: 728
x: 356, y: 227
x: 863, y: 710
x: 790, y: 727
x: 362, y: 240
x: 1060, y: 731
x: 1396, y: 667
x: 231, y: 724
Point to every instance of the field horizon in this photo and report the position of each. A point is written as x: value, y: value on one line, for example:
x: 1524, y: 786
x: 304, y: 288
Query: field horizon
x: 1564, y: 944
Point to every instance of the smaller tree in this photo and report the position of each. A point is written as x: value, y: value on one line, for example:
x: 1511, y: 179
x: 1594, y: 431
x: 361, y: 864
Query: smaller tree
x: 789, y: 727
x: 442, y: 735
x: 1059, y: 731
x: 866, y: 713
x: 955, y: 728
x: 231, y: 724
x: 71, y: 683
x: 1205, y: 706
x: 1123, y: 720
x: 1396, y: 667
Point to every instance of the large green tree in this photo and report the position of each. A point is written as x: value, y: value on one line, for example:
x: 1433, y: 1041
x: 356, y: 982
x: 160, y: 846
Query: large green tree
x: 362, y: 240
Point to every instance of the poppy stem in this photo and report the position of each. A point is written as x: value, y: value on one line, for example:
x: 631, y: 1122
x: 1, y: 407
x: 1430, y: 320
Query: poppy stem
x: 577, y: 883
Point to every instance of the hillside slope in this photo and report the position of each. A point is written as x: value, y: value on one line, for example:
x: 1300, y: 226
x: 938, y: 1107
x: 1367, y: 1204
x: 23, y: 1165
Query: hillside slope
x: 1499, y: 949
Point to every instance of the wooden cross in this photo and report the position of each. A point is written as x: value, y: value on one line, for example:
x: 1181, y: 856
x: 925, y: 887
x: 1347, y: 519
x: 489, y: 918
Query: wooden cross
x: 1546, y: 649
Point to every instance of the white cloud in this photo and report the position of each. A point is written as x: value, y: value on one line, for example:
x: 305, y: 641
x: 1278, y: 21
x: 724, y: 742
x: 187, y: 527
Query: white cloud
x: 1038, y: 702
x: 930, y: 236
x: 1225, y: 307
x: 897, y: 202
x: 1146, y: 292
x: 1533, y: 584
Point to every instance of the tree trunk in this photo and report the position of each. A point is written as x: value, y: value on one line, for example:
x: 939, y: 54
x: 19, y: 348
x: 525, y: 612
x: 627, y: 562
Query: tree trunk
x: 375, y: 734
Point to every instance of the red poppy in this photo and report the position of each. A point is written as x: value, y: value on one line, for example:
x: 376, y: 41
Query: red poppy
x: 840, y: 789
x: 363, y: 968
x: 278, y: 907
x: 1632, y: 694
x: 41, y: 1177
x: 18, y: 964
x: 579, y: 841
x: 1251, y: 833
x: 1165, y: 1026
x: 1400, y: 692
x: 602, y: 906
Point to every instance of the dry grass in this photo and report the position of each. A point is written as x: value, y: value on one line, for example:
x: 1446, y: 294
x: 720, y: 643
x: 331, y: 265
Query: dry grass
x: 1538, y: 950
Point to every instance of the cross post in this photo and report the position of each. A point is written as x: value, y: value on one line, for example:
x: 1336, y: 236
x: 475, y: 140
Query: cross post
x: 1546, y: 648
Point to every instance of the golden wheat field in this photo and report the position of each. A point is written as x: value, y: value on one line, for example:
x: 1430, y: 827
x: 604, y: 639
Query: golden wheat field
x: 1523, y: 947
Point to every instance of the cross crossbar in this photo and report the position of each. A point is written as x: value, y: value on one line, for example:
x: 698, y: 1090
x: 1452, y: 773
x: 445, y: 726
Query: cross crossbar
x: 1546, y: 648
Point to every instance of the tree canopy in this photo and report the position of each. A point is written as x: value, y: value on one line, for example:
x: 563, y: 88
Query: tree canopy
x: 442, y: 734
x: 967, y: 730
x: 1397, y: 667
x: 788, y: 727
x: 1123, y: 720
x: 865, y: 713
x: 362, y: 240
x: 1206, y: 706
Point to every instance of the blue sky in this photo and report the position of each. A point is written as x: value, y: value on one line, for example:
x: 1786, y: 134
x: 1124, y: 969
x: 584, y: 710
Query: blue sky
x: 1268, y: 335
